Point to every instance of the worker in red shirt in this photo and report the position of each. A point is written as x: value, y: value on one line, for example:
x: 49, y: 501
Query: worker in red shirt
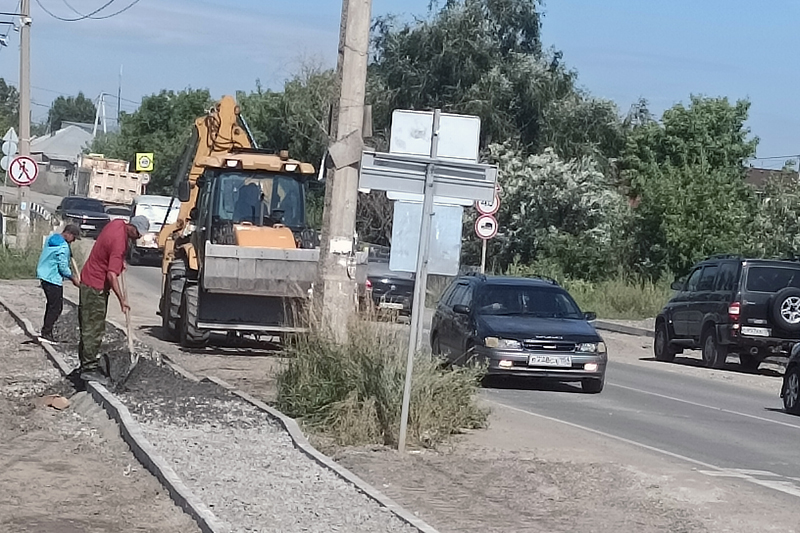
x: 99, y: 276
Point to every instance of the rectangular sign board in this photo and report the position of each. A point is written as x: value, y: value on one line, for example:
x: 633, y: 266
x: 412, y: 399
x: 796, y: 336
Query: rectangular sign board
x: 459, y: 135
x: 445, y: 249
x: 406, y: 174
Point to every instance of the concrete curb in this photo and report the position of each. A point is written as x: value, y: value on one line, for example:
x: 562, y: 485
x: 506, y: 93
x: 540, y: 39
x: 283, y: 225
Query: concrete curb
x: 301, y: 442
x: 619, y: 328
x: 146, y: 454
x: 132, y: 434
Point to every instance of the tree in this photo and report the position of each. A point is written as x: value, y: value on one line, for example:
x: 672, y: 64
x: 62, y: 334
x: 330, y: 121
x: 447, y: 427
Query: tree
x: 71, y: 109
x: 565, y: 212
x: 161, y: 125
x: 685, y: 175
x: 9, y: 107
x: 295, y: 119
x: 776, y: 229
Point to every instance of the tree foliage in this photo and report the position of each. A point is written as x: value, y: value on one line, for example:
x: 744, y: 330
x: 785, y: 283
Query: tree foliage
x: 563, y: 211
x: 686, y: 174
x: 72, y: 109
x: 9, y: 107
x: 295, y: 119
x: 161, y: 125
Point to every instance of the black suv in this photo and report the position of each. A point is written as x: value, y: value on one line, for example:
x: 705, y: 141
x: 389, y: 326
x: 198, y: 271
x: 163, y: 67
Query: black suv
x: 750, y: 307
x: 519, y: 326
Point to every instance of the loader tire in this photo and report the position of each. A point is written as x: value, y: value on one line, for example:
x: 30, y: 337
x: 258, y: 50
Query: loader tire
x: 171, y: 302
x: 190, y: 335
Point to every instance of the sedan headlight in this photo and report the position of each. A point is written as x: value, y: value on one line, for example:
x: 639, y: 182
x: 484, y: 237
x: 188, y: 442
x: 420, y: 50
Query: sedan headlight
x: 592, y: 347
x: 494, y: 342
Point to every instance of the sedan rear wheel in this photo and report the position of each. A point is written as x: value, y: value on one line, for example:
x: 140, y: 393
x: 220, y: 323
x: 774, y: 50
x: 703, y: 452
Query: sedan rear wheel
x: 791, y: 391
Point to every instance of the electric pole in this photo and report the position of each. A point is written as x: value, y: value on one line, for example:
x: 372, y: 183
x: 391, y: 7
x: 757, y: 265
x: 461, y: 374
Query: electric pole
x: 338, y: 285
x: 24, y: 215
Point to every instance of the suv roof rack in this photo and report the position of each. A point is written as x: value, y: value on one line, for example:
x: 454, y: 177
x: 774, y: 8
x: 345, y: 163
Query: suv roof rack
x: 724, y: 256
x: 476, y: 274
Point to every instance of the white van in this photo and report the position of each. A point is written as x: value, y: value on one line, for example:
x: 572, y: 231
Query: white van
x: 156, y: 209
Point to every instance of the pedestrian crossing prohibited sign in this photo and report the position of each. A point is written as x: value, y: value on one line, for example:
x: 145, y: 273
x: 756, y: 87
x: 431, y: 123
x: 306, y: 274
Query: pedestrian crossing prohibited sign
x: 144, y: 162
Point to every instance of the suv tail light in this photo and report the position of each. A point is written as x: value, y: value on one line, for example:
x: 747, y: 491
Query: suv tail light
x: 734, y: 310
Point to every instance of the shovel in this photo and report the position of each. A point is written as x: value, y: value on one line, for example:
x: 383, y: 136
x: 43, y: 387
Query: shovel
x: 134, y: 357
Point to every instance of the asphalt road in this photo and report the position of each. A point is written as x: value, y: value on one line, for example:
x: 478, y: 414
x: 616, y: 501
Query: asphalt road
x: 716, y: 426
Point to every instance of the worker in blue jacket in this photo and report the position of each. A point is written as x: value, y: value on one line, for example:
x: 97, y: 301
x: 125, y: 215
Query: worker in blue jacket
x: 52, y: 270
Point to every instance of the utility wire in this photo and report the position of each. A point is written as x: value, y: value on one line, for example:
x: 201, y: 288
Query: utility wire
x: 90, y: 15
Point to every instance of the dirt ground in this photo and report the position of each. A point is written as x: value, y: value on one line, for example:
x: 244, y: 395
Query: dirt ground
x: 68, y: 471
x: 519, y: 475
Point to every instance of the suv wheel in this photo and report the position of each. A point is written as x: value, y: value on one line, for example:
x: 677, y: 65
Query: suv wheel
x: 786, y: 309
x: 714, y: 354
x: 791, y: 391
x: 661, y: 347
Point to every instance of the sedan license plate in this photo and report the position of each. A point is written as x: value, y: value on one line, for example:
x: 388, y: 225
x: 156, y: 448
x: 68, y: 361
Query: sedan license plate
x: 550, y: 360
x: 390, y: 305
x: 756, y: 332
x: 87, y: 226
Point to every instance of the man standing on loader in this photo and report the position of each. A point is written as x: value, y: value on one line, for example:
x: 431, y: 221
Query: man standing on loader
x: 100, y: 275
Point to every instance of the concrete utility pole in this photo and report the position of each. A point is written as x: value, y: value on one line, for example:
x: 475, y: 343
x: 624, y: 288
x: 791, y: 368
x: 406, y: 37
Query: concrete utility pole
x: 338, y: 287
x: 24, y: 216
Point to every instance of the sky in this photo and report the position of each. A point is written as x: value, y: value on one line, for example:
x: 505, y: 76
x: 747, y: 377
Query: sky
x: 623, y: 50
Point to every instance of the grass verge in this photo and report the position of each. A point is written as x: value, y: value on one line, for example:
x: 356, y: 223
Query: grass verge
x: 19, y: 263
x: 620, y: 297
x: 352, y: 392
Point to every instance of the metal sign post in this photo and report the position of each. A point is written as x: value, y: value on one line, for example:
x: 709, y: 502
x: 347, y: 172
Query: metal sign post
x: 486, y: 225
x: 420, y: 284
x: 444, y: 175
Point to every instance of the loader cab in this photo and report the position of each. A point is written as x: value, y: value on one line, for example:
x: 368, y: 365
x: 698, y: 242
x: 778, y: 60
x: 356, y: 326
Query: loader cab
x: 251, y: 208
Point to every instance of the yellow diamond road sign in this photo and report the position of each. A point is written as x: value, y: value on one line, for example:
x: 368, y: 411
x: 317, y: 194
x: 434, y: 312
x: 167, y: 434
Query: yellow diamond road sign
x: 144, y: 162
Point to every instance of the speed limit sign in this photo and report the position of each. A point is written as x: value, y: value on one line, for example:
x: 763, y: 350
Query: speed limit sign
x: 488, y: 207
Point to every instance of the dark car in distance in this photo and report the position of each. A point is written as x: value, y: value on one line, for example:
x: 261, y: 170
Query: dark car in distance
x: 88, y: 214
x: 527, y: 327
x: 388, y: 289
x: 730, y: 304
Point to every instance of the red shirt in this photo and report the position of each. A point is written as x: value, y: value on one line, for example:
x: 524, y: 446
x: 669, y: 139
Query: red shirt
x: 108, y: 255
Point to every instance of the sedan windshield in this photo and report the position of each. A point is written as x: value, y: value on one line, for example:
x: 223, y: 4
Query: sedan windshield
x: 531, y: 301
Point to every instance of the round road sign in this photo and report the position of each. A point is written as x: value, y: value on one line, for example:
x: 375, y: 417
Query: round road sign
x: 23, y: 170
x: 486, y: 227
x: 488, y: 208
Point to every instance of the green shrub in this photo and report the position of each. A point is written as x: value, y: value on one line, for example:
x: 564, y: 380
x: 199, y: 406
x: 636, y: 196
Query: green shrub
x: 353, y: 392
x: 19, y: 263
x: 618, y: 297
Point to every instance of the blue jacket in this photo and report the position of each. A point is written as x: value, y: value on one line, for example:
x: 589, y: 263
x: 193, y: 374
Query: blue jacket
x: 54, y: 262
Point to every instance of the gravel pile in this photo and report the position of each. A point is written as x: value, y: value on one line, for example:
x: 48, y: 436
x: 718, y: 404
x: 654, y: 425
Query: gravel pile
x: 239, y: 462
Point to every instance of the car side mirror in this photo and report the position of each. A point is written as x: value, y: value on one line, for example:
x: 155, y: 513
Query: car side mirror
x: 184, y: 191
x: 590, y: 316
x: 461, y: 309
x: 677, y: 285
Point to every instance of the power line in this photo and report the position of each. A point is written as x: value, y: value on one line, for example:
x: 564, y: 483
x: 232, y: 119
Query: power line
x: 776, y: 157
x: 82, y: 17
x: 90, y: 15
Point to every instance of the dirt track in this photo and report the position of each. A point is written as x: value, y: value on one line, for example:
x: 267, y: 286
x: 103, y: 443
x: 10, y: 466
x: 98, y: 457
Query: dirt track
x: 67, y: 471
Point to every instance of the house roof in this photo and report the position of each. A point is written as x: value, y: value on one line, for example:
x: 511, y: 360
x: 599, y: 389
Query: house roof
x: 65, y: 144
x: 757, y: 177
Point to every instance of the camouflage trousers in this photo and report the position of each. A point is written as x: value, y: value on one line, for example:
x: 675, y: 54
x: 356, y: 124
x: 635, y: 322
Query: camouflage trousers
x: 92, y: 321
